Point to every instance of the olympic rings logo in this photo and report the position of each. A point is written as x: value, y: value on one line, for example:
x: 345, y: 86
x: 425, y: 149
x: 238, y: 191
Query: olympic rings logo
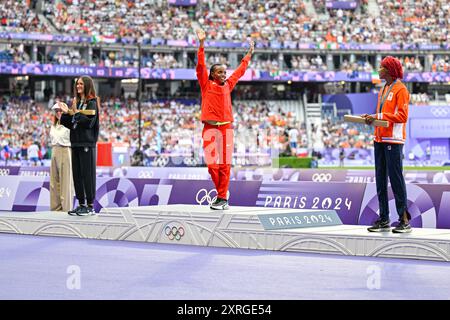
x: 203, y: 195
x: 174, y: 233
x: 321, y: 177
x: 191, y: 162
x: 161, y: 162
x: 145, y: 174
x: 440, y: 111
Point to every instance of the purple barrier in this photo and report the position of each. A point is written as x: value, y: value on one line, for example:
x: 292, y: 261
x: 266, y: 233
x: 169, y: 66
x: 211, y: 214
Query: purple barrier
x: 358, y: 103
x: 347, y: 5
x: 66, y: 70
x: 344, y: 198
x: 46, y: 37
x: 9, y: 171
x: 428, y: 205
x: 183, y: 2
x: 428, y: 133
x: 334, y: 175
x: 225, y: 44
x: 350, y: 153
x: 426, y: 77
x: 243, y: 174
x: 310, y: 76
x: 355, y: 203
x: 429, y: 112
x: 40, y: 171
x: 162, y: 173
x: 430, y: 128
x: 21, y: 193
x: 189, y: 74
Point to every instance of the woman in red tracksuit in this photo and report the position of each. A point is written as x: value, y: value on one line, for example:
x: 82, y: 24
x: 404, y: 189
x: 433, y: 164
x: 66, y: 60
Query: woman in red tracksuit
x: 217, y: 118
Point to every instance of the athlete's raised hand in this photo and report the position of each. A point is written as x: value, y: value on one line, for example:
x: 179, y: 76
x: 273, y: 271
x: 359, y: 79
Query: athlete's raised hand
x: 252, y: 47
x: 201, y: 35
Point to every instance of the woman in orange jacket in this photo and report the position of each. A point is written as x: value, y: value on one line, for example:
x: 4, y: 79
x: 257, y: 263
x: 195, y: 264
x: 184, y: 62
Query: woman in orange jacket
x: 217, y: 117
x: 393, y: 102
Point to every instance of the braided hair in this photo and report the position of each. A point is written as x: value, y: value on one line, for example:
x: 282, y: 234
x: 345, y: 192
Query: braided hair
x: 393, y: 67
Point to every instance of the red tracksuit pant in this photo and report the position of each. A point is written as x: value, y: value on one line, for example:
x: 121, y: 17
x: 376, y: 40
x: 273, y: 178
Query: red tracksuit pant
x: 218, y: 148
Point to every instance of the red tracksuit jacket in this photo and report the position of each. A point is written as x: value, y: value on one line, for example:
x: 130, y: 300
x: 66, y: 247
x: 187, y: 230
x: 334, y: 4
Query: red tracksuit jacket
x: 395, y: 110
x: 216, y: 99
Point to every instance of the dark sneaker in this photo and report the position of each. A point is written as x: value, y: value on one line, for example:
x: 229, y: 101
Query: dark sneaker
x: 220, y: 204
x: 403, y: 227
x: 74, y: 212
x: 215, y: 202
x: 86, y: 211
x: 380, y: 226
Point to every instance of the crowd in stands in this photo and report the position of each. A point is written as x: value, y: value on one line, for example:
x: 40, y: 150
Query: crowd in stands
x: 305, y: 63
x: 159, y: 60
x: 171, y: 126
x: 421, y: 21
x: 409, y: 22
x: 411, y: 64
x: 419, y: 99
x: 121, y: 19
x: 23, y: 123
x: 18, y: 16
x: 363, y: 66
x: 217, y: 59
x: 441, y: 63
x: 400, y: 22
x: 167, y: 127
x: 15, y: 53
x: 344, y: 135
x: 66, y: 56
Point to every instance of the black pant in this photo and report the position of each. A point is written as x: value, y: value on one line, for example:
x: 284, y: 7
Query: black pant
x: 388, y: 162
x: 84, y: 173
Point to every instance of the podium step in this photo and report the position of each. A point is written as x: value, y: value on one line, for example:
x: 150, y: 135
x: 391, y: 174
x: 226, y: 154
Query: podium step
x: 238, y: 227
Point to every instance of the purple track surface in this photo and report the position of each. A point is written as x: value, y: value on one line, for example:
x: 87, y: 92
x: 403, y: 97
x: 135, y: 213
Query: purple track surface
x: 35, y: 267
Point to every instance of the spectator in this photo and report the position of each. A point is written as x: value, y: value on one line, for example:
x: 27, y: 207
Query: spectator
x: 33, y: 153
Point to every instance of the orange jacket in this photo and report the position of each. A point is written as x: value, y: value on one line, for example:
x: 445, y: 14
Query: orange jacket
x: 394, y: 110
x: 216, y: 99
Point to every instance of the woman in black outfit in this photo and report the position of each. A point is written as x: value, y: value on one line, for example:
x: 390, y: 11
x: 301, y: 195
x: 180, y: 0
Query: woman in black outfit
x: 83, y: 121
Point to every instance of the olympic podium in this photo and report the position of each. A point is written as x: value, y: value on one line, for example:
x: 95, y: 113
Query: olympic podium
x: 239, y: 227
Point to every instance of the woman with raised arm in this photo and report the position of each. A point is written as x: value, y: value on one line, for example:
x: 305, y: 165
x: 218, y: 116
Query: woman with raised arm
x: 217, y: 117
